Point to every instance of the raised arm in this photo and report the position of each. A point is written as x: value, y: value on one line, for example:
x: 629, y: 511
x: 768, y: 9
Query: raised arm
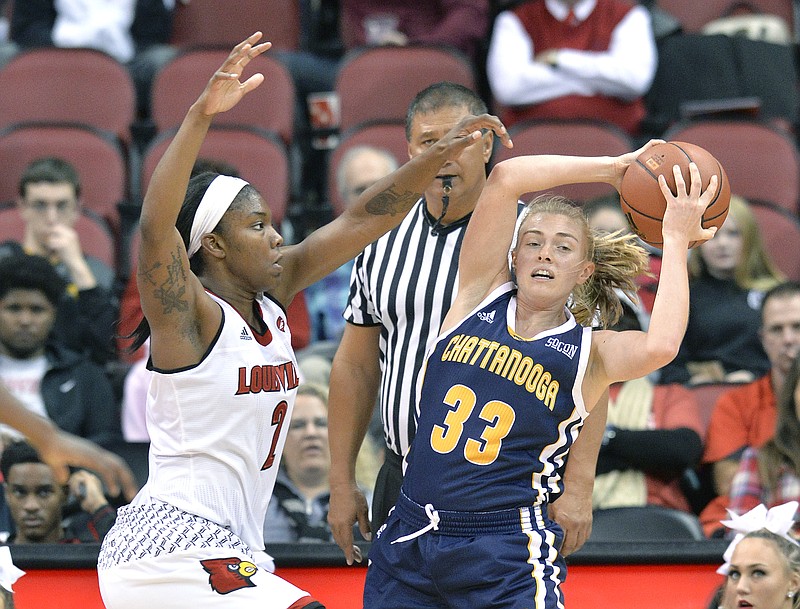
x: 628, y: 355
x: 379, y: 209
x: 171, y: 296
x: 483, y: 264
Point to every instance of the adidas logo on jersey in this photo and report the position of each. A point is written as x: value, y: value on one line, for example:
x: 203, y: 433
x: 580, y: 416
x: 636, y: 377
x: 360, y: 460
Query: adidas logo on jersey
x: 487, y: 317
x: 244, y: 335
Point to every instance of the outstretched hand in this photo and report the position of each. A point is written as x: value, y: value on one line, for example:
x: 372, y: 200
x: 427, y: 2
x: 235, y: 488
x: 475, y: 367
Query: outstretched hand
x: 225, y: 90
x: 622, y: 162
x: 684, y: 214
x: 64, y: 450
x: 469, y: 130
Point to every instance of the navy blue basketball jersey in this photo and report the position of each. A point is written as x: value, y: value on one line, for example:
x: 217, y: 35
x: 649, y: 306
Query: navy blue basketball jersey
x: 497, y: 412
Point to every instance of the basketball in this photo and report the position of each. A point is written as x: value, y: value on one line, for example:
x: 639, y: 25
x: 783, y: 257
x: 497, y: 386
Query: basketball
x: 642, y: 200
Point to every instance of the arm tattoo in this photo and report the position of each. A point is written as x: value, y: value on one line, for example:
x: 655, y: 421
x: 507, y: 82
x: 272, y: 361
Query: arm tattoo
x: 172, y: 292
x: 390, y: 202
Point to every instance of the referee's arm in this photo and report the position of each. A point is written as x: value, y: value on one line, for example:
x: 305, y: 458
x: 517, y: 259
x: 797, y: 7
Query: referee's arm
x: 355, y: 378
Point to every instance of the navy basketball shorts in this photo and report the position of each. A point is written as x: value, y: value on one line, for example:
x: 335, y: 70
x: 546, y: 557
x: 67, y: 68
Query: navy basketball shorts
x: 424, y: 558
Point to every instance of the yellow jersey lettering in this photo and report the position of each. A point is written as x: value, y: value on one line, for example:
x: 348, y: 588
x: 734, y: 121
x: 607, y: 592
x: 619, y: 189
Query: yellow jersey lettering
x: 499, y: 359
x: 466, y: 350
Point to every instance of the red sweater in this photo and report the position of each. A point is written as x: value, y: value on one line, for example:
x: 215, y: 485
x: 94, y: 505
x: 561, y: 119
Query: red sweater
x: 593, y: 34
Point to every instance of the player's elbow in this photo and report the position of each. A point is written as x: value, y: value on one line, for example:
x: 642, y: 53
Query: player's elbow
x: 662, y: 352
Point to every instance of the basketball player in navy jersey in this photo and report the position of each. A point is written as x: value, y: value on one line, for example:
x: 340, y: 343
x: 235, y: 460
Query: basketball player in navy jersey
x: 514, y: 373
x: 214, y: 282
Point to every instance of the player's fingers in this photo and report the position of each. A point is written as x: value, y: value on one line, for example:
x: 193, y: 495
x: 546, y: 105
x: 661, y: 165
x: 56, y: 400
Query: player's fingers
x: 115, y: 474
x: 61, y: 473
x: 665, y: 189
x: 711, y: 191
x: 343, y: 536
x: 363, y: 525
x: 357, y: 554
x: 251, y: 83
x: 697, y: 181
x: 680, y: 183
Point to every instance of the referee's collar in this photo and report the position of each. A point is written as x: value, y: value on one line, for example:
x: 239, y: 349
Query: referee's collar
x: 443, y: 229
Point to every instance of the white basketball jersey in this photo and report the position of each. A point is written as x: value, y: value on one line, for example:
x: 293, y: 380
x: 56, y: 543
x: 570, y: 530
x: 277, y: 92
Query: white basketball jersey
x: 217, y: 429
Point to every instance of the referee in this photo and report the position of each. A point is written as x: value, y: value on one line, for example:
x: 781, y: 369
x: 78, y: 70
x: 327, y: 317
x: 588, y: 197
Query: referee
x: 401, y: 287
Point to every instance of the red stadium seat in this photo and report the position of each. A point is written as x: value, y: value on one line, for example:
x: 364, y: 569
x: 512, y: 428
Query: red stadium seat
x: 761, y: 160
x: 706, y: 396
x: 570, y: 137
x: 259, y: 157
x: 694, y: 15
x: 780, y: 234
x: 379, y: 82
x: 177, y: 85
x: 390, y: 135
x: 96, y: 238
x: 80, y: 86
x: 96, y: 156
x: 221, y: 23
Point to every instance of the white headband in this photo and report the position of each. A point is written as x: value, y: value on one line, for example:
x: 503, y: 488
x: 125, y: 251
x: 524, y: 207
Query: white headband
x: 778, y: 520
x: 215, y: 202
x: 8, y: 572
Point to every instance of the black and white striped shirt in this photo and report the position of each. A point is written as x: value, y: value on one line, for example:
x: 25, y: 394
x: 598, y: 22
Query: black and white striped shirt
x: 405, y: 282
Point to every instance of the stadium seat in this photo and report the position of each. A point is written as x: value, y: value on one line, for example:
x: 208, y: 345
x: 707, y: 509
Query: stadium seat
x: 259, y: 156
x: 366, y: 92
x: 780, y: 234
x: 96, y: 156
x: 219, y: 23
x: 578, y: 137
x: 177, y: 85
x: 96, y: 238
x: 694, y: 15
x: 390, y: 135
x: 761, y: 160
x: 646, y: 523
x: 80, y: 86
x: 706, y: 396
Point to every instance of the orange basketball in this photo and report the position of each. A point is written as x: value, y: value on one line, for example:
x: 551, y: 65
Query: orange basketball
x: 642, y: 200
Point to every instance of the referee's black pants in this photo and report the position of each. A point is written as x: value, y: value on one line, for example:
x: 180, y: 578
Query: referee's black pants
x: 387, y: 488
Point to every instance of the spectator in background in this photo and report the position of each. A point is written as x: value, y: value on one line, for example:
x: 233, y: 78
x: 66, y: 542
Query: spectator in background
x: 771, y: 474
x: 746, y: 416
x: 299, y: 509
x: 360, y: 168
x: 461, y: 24
x: 728, y: 277
x: 134, y: 32
x: 573, y: 59
x: 49, y: 203
x: 654, y: 433
x: 49, y: 379
x: 37, y: 502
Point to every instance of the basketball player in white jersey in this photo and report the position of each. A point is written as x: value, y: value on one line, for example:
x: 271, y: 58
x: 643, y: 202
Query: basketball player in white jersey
x: 214, y: 284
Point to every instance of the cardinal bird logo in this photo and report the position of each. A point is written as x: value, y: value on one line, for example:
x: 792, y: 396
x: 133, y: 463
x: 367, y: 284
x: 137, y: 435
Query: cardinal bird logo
x: 229, y: 574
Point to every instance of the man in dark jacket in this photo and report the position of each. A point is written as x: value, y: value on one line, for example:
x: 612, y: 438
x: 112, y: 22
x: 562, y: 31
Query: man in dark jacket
x: 49, y: 379
x: 44, y: 511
